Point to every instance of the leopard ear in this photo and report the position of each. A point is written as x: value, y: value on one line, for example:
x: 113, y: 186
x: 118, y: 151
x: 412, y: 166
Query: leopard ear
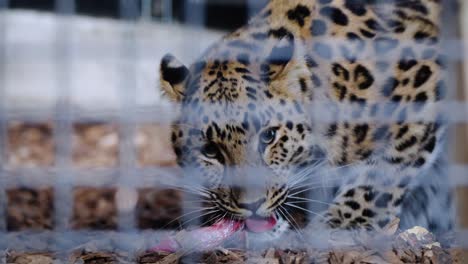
x: 278, y: 59
x: 173, y: 75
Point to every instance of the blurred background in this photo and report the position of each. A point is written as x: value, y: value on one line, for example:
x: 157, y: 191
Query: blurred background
x: 83, y: 131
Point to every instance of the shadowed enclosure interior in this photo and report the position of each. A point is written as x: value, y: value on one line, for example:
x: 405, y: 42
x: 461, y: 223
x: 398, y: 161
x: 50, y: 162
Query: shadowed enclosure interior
x: 72, y: 171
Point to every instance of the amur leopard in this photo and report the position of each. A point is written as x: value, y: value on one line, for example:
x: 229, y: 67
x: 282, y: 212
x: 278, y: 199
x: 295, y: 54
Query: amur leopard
x: 324, y: 106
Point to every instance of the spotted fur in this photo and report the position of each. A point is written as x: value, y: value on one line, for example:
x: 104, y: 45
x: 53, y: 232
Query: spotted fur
x: 254, y: 106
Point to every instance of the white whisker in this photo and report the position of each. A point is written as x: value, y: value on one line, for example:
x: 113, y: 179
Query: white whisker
x: 200, y: 216
x: 190, y: 189
x: 186, y: 214
x: 305, y: 210
x: 306, y: 173
x: 294, y: 225
x: 308, y: 200
x: 308, y: 189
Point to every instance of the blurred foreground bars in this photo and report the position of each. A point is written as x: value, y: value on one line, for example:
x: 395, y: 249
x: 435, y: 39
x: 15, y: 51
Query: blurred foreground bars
x: 92, y: 169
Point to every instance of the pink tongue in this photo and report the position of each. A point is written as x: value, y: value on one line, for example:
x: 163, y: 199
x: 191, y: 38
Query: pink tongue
x: 260, y: 225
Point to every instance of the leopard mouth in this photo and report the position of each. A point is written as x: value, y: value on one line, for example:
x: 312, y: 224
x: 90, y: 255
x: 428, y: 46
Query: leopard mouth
x: 212, y: 236
x: 260, y: 224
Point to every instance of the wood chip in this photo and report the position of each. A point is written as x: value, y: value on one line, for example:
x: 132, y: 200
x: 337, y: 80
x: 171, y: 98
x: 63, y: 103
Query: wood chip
x: 94, y: 208
x: 29, y: 209
x: 30, y: 145
x: 29, y: 258
x: 95, y: 145
x: 151, y: 257
x: 86, y: 257
x: 391, y: 228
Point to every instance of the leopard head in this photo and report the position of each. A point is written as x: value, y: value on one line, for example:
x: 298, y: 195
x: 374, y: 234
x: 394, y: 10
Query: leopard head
x: 243, y: 135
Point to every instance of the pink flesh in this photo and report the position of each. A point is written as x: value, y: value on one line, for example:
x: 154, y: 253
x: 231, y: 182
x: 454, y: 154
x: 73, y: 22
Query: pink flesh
x: 168, y: 244
x: 204, y: 238
x: 260, y: 225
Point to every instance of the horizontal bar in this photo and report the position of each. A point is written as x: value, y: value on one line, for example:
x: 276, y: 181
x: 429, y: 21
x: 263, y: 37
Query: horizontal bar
x: 50, y: 241
x: 446, y: 111
x: 138, y: 241
x: 170, y: 177
x: 160, y: 113
x: 141, y: 178
x: 107, y: 51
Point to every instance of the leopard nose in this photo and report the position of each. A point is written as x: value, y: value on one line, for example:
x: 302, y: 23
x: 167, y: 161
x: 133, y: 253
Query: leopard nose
x: 253, y: 206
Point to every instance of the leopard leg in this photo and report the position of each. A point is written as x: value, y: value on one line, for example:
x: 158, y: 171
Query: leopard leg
x: 365, y: 207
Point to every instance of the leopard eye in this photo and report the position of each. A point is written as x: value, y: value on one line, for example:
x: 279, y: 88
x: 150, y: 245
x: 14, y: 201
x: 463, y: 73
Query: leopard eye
x: 268, y: 136
x: 210, y: 150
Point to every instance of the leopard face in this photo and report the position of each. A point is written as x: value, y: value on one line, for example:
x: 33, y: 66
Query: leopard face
x: 247, y: 145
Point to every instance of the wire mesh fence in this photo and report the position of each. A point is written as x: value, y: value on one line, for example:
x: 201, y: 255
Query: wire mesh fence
x: 118, y: 128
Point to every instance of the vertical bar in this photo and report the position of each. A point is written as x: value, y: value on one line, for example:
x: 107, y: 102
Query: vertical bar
x: 251, y: 8
x: 454, y: 28
x: 128, y: 9
x: 194, y: 15
x: 4, y: 3
x: 167, y: 11
x: 3, y: 119
x: 461, y: 131
x: 63, y: 199
x: 254, y: 7
x: 146, y: 9
x: 195, y: 12
x: 127, y: 93
x: 450, y: 42
x: 66, y: 7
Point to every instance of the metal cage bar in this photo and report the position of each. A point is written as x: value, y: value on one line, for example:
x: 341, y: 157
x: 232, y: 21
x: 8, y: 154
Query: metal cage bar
x: 63, y: 120
x: 194, y: 12
x: 127, y: 93
x: 4, y: 3
x: 65, y: 6
x: 3, y: 121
